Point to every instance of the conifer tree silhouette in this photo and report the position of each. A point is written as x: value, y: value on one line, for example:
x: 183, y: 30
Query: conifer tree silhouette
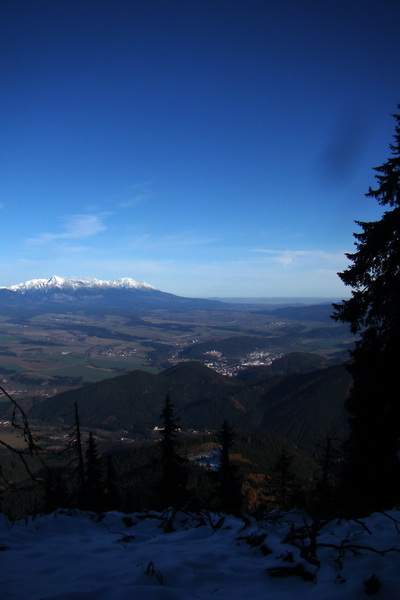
x: 372, y: 472
x: 93, y: 488
x: 111, y: 495
x: 229, y: 482
x: 284, y: 478
x: 171, y: 487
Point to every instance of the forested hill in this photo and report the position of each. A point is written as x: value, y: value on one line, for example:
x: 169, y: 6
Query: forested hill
x: 314, y: 312
x: 303, y: 407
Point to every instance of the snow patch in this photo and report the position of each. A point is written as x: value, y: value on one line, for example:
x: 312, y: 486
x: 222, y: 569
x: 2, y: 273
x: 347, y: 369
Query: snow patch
x: 193, y: 556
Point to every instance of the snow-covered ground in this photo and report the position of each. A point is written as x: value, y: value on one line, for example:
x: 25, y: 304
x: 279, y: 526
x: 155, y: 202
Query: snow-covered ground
x: 76, y: 556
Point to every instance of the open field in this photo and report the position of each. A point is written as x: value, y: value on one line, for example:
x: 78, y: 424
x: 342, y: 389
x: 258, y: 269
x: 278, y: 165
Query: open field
x: 48, y: 353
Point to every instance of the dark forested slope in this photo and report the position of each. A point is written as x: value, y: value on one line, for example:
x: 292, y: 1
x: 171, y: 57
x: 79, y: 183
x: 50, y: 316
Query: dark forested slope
x: 301, y: 407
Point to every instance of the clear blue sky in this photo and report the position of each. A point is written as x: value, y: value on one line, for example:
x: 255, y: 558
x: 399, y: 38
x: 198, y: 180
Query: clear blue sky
x: 207, y: 147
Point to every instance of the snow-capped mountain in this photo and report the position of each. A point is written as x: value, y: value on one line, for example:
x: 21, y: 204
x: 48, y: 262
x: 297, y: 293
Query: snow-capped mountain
x: 77, y: 283
x: 38, y: 296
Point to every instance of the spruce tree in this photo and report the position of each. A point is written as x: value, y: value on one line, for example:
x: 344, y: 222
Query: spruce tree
x: 229, y: 482
x: 283, y: 478
x: 56, y: 491
x: 171, y: 487
x: 111, y: 499
x: 74, y: 453
x: 93, y: 488
x: 324, y: 497
x: 372, y: 472
x: 75, y: 446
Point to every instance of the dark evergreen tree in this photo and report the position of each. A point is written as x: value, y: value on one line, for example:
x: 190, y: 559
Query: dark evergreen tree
x: 228, y: 476
x: 93, y: 486
x: 283, y: 478
x: 56, y: 491
x: 78, y: 449
x: 372, y: 473
x: 324, y: 497
x: 171, y: 487
x: 111, y: 495
x: 73, y: 452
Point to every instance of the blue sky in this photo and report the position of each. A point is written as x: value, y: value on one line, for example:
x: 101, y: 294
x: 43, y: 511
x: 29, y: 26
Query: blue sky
x: 208, y: 147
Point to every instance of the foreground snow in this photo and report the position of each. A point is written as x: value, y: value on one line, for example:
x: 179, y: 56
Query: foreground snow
x: 76, y: 556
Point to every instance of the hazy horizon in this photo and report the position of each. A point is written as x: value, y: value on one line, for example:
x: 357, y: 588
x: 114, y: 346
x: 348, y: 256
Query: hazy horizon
x: 279, y: 299
x: 232, y: 299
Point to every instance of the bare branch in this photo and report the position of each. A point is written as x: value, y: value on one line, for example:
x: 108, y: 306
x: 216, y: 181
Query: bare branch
x: 355, y: 548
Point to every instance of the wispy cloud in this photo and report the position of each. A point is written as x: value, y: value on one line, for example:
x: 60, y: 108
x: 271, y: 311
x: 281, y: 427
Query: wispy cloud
x: 135, y: 201
x: 138, y: 193
x: 74, y: 227
x: 169, y: 242
x: 287, y: 258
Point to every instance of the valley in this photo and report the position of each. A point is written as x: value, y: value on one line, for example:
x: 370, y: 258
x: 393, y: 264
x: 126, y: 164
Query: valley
x: 275, y: 373
x: 46, y: 353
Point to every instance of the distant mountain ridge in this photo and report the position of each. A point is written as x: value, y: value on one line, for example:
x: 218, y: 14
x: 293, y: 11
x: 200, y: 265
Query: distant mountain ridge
x: 315, y: 312
x: 76, y: 293
x: 76, y: 283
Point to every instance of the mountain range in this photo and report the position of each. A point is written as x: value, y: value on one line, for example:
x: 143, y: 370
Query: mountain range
x: 58, y: 293
x: 75, y: 283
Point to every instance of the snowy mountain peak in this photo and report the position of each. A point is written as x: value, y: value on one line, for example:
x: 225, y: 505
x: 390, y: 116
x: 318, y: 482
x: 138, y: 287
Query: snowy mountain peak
x: 76, y: 283
x: 55, y: 281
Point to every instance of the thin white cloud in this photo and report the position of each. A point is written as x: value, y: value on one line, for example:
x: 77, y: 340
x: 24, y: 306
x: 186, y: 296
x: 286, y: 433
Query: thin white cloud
x: 74, y: 227
x: 137, y: 194
x: 129, y: 203
x: 287, y: 258
x: 168, y: 242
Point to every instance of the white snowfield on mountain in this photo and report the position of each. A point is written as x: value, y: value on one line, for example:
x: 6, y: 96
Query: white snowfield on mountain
x: 76, y: 283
